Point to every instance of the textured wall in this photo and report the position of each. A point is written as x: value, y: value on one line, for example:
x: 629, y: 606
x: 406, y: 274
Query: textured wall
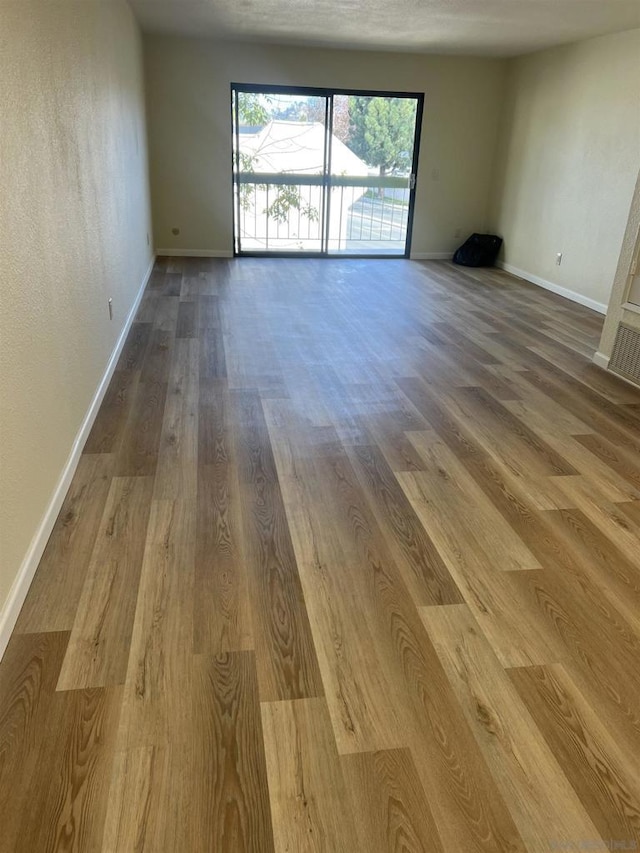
x: 190, y: 130
x: 568, y: 159
x: 74, y: 218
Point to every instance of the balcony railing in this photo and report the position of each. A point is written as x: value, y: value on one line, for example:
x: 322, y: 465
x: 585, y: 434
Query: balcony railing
x: 365, y: 215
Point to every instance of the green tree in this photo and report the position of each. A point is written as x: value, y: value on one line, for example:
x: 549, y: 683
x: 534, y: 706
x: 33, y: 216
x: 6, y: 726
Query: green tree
x: 288, y: 197
x: 251, y: 111
x: 382, y: 131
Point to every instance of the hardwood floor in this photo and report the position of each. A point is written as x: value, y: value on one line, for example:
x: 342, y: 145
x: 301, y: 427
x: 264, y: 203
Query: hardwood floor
x: 350, y: 563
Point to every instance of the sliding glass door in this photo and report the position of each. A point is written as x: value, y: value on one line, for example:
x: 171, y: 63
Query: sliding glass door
x: 321, y: 172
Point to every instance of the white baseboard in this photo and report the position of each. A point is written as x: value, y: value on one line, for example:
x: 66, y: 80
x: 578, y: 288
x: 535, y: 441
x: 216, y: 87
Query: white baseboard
x: 225, y: 253
x: 600, y: 307
x: 601, y: 359
x: 195, y: 253
x: 20, y: 587
x: 431, y: 256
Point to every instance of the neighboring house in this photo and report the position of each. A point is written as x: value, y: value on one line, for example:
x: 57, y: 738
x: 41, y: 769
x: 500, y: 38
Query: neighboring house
x: 293, y: 147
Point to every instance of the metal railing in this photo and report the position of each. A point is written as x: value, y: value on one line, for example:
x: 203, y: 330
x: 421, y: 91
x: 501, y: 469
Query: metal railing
x: 287, y: 213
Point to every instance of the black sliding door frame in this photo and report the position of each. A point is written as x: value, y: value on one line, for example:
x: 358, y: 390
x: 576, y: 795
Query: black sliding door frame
x: 326, y: 181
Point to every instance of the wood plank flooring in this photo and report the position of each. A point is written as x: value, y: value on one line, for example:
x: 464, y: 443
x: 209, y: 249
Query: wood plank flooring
x: 351, y: 562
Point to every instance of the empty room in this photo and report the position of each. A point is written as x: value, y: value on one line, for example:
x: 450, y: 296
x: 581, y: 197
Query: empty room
x: 319, y: 426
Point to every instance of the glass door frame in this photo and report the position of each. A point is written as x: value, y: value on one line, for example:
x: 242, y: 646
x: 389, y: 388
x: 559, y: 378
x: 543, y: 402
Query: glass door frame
x: 324, y: 180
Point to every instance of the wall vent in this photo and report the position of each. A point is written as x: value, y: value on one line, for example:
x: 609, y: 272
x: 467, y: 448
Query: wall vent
x: 625, y: 358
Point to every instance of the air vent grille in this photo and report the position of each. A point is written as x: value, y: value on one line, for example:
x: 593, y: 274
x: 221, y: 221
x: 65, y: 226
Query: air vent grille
x: 625, y: 358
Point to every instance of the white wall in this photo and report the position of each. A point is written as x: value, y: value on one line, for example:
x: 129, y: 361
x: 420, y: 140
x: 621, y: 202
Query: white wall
x: 74, y: 219
x: 567, y: 162
x: 190, y: 130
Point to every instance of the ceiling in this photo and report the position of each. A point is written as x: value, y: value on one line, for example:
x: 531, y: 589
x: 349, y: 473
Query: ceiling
x: 478, y: 27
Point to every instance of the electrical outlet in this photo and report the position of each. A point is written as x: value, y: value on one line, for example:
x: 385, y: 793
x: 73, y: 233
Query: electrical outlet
x: 558, y: 259
x: 110, y: 303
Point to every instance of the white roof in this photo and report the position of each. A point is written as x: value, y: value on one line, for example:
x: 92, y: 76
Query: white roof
x: 298, y: 147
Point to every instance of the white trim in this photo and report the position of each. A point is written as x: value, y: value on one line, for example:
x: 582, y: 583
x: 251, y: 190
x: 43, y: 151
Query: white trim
x: 225, y: 253
x: 601, y: 360
x: 20, y: 587
x: 195, y: 253
x: 621, y: 376
x: 431, y: 256
x: 625, y: 379
x: 600, y: 307
x: 631, y: 306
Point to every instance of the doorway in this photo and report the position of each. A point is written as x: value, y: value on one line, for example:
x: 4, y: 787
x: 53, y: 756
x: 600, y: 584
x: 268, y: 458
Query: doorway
x: 320, y: 172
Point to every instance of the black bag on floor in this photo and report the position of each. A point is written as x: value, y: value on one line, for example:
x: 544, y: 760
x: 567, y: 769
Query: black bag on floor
x: 480, y: 250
